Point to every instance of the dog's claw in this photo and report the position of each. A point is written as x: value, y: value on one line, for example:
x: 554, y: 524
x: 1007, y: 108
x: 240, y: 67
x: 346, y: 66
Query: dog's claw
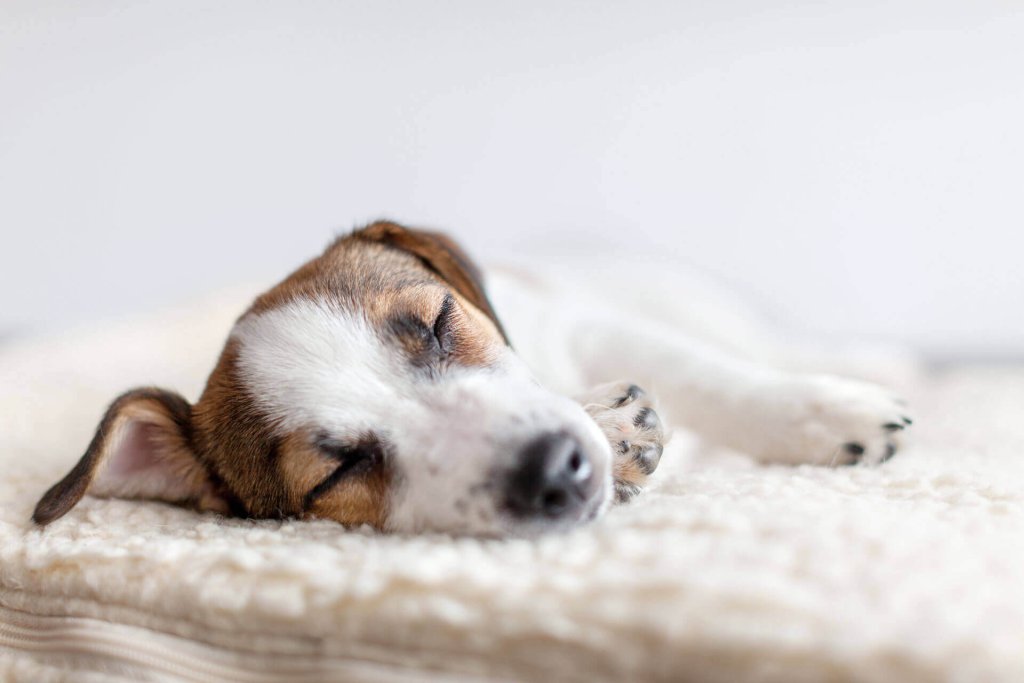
x: 647, y: 419
x: 857, y: 451
x: 648, y: 458
x: 854, y: 449
x: 890, y: 450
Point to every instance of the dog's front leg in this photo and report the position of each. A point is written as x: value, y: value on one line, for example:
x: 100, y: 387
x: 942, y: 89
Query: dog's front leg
x: 773, y: 415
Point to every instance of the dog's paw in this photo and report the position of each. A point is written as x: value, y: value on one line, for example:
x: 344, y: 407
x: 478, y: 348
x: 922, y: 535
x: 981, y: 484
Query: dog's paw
x: 826, y: 420
x: 626, y: 415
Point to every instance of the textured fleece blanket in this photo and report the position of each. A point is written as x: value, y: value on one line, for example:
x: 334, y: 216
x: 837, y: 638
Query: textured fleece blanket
x: 724, y: 571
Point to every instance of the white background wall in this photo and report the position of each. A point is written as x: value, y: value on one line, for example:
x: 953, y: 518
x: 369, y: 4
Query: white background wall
x: 859, y: 167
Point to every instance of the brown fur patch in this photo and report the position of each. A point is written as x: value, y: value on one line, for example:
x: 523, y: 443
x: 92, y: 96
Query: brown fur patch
x: 358, y: 499
x: 236, y: 441
x: 442, y: 256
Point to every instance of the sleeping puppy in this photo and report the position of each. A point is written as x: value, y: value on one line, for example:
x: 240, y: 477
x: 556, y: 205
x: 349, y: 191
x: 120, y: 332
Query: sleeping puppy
x: 376, y: 385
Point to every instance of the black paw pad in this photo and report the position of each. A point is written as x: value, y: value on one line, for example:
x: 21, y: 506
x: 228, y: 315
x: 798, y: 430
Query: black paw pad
x: 647, y: 459
x: 647, y: 419
x: 633, y: 392
x: 856, y: 450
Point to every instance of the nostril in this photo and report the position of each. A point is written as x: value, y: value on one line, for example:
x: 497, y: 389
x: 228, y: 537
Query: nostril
x: 576, y: 461
x: 579, y: 467
x: 554, y: 501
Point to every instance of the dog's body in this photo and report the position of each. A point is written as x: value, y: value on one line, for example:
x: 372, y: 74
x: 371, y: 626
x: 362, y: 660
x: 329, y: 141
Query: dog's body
x: 377, y: 385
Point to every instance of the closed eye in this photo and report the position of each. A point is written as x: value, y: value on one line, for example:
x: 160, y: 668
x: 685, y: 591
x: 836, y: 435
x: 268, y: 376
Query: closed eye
x: 427, y: 342
x: 443, y: 332
x: 354, y: 459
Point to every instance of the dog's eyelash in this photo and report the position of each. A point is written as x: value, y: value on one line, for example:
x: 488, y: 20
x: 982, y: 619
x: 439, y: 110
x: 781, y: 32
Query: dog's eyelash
x: 353, y: 458
x: 442, y: 325
x: 425, y: 341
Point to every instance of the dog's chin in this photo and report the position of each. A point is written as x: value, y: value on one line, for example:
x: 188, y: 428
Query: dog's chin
x: 491, y: 518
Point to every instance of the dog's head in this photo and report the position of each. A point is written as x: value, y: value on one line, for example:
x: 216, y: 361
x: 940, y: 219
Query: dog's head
x: 375, y: 385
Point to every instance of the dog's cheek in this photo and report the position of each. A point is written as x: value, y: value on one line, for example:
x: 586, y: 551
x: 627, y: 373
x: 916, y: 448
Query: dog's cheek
x: 301, y: 467
x: 360, y: 501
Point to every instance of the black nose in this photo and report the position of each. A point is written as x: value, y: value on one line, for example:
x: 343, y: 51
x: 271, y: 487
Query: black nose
x: 552, y: 478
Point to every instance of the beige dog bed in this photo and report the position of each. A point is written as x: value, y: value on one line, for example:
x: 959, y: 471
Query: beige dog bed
x: 724, y: 571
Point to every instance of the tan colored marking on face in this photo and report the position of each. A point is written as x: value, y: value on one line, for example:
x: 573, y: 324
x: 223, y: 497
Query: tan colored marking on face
x: 479, y: 339
x: 360, y: 498
x: 356, y: 500
x: 442, y: 256
x: 301, y: 466
x: 475, y: 342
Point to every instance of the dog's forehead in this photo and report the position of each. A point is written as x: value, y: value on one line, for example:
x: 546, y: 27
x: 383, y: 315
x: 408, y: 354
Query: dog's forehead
x: 374, y: 280
x: 303, y: 360
x: 354, y: 277
x: 320, y: 349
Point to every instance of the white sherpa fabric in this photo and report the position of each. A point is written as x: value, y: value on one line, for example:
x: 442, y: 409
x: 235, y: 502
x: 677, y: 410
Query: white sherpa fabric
x: 724, y: 571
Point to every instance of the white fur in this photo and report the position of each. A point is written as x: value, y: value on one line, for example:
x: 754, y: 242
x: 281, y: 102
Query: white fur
x: 578, y: 335
x: 315, y: 365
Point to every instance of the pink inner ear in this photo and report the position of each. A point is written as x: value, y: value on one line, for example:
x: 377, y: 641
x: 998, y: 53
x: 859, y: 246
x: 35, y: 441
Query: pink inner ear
x: 142, y: 465
x: 135, y: 453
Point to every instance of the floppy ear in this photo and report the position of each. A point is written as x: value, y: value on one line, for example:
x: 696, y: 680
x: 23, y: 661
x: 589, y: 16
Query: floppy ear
x: 440, y: 254
x: 142, y: 449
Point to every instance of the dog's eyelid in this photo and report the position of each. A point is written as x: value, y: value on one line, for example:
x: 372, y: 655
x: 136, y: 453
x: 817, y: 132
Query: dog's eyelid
x: 332, y: 448
x: 424, y: 340
x: 445, y: 314
x: 442, y: 323
x: 352, y: 458
x: 343, y: 451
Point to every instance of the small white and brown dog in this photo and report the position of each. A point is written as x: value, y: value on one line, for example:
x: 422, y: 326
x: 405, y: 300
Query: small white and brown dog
x: 376, y: 385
